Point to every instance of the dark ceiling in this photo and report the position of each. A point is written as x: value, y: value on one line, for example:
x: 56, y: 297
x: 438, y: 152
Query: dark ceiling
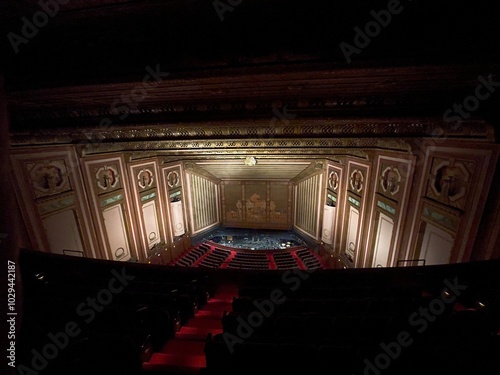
x: 429, y: 54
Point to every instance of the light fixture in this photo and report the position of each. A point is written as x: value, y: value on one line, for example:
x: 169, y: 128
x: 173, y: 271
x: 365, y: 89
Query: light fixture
x: 250, y: 161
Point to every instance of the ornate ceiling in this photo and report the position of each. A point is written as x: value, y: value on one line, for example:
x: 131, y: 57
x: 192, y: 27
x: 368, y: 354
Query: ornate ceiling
x: 163, y: 75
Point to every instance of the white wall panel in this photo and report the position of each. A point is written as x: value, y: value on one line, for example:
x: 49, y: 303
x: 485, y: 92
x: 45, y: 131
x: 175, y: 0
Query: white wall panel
x: 117, y: 233
x: 151, y: 223
x: 436, y: 245
x: 328, y: 217
x: 352, y: 231
x: 383, y: 241
x: 177, y: 218
x: 62, y: 232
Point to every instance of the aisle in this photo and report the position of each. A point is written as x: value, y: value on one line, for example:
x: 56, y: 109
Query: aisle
x: 184, y: 354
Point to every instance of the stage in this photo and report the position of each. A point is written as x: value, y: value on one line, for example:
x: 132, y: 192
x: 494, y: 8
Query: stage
x: 254, y: 239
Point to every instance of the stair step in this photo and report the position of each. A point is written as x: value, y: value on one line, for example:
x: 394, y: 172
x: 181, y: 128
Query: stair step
x: 204, y: 323
x: 175, y: 363
x: 209, y: 314
x: 176, y: 346
x: 195, y: 333
x: 185, y: 353
x: 218, y: 306
x: 227, y: 289
x: 222, y: 299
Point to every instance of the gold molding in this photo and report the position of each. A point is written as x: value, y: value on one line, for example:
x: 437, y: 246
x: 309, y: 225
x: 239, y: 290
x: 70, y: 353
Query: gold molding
x: 262, y: 130
x: 321, y: 146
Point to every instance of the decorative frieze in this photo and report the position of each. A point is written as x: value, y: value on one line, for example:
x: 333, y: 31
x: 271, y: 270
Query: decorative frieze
x: 260, y: 130
x: 449, y: 181
x: 107, y: 178
x: 49, y: 177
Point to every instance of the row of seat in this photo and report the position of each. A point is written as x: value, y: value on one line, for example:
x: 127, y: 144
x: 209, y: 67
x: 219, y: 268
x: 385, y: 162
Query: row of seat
x: 215, y: 258
x: 226, y: 356
x: 319, y: 320
x: 348, y: 305
x: 121, y: 313
x: 301, y: 285
x: 358, y: 327
x: 248, y: 260
x: 284, y: 260
x: 191, y: 257
x: 309, y: 259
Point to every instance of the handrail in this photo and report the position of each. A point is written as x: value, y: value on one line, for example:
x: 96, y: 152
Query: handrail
x: 78, y: 253
x: 410, y: 260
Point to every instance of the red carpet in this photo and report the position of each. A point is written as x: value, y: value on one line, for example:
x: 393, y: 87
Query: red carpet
x: 184, y: 354
x: 272, y: 263
x: 298, y: 260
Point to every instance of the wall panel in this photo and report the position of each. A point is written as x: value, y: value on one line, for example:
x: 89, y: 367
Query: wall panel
x: 49, y: 188
x: 150, y: 216
x: 204, y: 202
x: 108, y: 188
x: 63, y: 232
x: 308, y: 201
x: 116, y: 231
x: 256, y: 204
x: 383, y: 241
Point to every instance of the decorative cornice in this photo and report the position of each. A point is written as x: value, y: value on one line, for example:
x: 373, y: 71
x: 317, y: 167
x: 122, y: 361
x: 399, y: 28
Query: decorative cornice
x: 261, y: 130
x: 169, y: 158
x: 320, y: 146
x: 210, y: 107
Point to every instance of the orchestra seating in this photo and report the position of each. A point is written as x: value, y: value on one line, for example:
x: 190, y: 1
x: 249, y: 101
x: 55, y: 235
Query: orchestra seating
x: 215, y: 258
x: 284, y: 260
x: 191, y: 257
x: 212, y: 255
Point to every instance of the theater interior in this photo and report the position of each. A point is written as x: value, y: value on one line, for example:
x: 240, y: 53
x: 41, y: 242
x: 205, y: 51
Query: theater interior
x: 236, y: 186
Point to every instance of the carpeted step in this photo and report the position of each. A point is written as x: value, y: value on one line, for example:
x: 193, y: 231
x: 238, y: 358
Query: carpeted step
x: 175, y: 363
x: 195, y: 333
x: 204, y: 323
x: 175, y: 346
x: 209, y: 314
x: 227, y: 288
x: 221, y: 300
x: 217, y: 306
